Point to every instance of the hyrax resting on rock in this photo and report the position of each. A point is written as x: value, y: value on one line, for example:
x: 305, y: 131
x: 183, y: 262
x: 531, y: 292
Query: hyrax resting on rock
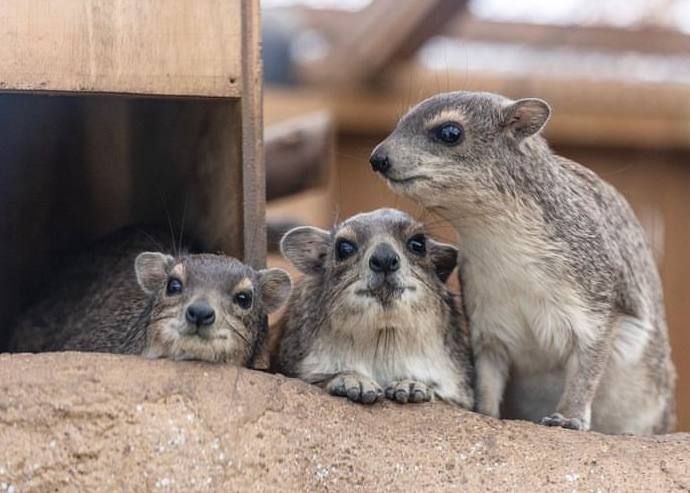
x: 372, y: 316
x: 120, y: 298
x: 562, y: 293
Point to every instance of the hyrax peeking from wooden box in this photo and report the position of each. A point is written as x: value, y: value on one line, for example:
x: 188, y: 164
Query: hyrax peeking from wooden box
x: 372, y: 316
x: 119, y: 298
x: 562, y: 292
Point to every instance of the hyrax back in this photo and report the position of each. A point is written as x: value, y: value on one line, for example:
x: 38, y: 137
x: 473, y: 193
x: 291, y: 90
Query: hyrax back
x: 372, y: 315
x: 563, y: 295
x: 120, y: 298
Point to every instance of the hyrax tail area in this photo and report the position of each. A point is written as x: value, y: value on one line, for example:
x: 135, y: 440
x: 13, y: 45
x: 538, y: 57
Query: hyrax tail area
x: 372, y: 317
x: 563, y: 296
x: 118, y: 297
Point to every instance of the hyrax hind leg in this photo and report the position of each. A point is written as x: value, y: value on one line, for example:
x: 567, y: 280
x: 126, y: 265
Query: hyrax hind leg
x: 584, y: 370
x: 355, y: 387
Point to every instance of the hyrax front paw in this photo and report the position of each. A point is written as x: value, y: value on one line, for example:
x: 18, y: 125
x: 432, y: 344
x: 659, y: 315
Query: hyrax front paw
x: 355, y: 387
x: 557, y: 419
x: 404, y: 391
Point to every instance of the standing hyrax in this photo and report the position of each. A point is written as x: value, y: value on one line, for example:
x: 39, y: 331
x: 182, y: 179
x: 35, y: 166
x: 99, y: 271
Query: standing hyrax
x: 563, y: 296
x: 372, y: 315
x: 117, y: 299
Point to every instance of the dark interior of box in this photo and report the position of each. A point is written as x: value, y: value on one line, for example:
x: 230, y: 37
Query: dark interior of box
x: 73, y: 168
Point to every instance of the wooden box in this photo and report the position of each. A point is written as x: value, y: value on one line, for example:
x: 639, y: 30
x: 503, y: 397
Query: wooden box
x: 115, y: 112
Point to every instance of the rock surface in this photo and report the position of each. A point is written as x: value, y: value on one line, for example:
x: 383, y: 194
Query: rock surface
x: 86, y: 422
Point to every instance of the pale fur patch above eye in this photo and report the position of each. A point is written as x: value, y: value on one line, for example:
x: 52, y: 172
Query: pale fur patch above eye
x: 178, y: 271
x: 347, y: 233
x: 445, y: 116
x: 244, y: 285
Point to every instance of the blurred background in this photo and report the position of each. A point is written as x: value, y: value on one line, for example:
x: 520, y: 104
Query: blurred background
x: 340, y: 73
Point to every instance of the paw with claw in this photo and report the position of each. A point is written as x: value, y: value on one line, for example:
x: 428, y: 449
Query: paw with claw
x: 557, y: 419
x: 357, y: 388
x: 404, y: 391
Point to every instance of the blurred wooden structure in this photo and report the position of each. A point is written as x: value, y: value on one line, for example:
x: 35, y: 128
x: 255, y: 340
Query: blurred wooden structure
x: 367, y: 44
x: 126, y: 111
x: 635, y: 134
x: 298, y: 154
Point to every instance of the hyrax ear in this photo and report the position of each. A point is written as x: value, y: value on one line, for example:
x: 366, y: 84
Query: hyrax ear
x: 306, y: 248
x: 275, y: 286
x: 152, y: 270
x: 444, y: 257
x: 526, y: 117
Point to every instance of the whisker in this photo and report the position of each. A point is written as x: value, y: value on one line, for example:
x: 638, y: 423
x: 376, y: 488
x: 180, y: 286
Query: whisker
x: 237, y: 332
x: 184, y: 215
x: 151, y: 238
x: 161, y: 196
x: 162, y: 317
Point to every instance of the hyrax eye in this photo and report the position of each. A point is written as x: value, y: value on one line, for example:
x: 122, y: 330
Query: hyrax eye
x: 344, y: 249
x: 449, y: 133
x: 417, y: 244
x: 244, y: 299
x: 174, y: 287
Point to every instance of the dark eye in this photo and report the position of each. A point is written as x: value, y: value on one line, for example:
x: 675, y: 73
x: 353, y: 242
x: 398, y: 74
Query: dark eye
x: 449, y: 133
x: 417, y: 244
x: 174, y: 287
x: 344, y: 249
x: 244, y: 299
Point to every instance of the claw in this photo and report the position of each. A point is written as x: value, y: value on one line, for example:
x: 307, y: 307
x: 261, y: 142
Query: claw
x: 355, y: 387
x: 404, y: 391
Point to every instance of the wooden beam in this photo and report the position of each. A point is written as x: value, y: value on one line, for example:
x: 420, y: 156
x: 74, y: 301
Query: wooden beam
x: 298, y: 154
x: 368, y: 42
x: 605, y: 38
x: 586, y: 112
x: 600, y: 38
x: 253, y: 164
x: 171, y: 48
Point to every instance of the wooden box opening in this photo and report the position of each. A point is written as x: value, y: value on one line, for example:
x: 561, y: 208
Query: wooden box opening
x: 74, y: 168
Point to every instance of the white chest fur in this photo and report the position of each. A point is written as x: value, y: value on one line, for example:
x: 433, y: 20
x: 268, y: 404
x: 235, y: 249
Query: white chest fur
x: 514, y: 301
x: 387, y: 345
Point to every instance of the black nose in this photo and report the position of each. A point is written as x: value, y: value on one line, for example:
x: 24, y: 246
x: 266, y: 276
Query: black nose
x: 379, y: 162
x: 200, y: 313
x: 384, y: 259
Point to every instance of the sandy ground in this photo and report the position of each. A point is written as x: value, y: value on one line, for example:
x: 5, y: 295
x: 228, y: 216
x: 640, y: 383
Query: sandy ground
x: 86, y: 422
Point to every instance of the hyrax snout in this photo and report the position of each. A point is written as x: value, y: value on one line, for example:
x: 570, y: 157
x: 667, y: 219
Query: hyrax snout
x: 372, y: 317
x: 117, y: 298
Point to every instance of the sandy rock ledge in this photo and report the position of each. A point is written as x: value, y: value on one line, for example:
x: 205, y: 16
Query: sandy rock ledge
x: 86, y: 422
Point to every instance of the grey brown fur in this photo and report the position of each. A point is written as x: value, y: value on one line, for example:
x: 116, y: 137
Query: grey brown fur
x: 564, y: 298
x: 113, y: 298
x: 364, y: 333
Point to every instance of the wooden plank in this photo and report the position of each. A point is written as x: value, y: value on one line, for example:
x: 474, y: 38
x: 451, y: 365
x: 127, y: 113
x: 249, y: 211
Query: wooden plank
x: 162, y: 47
x: 586, y: 112
x: 386, y: 32
x: 253, y: 171
x: 599, y: 38
x: 284, y: 103
x: 642, y: 39
x: 298, y: 153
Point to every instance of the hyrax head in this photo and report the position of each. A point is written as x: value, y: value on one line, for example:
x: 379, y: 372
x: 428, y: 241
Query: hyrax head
x: 459, y: 144
x: 377, y: 260
x: 208, y: 307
